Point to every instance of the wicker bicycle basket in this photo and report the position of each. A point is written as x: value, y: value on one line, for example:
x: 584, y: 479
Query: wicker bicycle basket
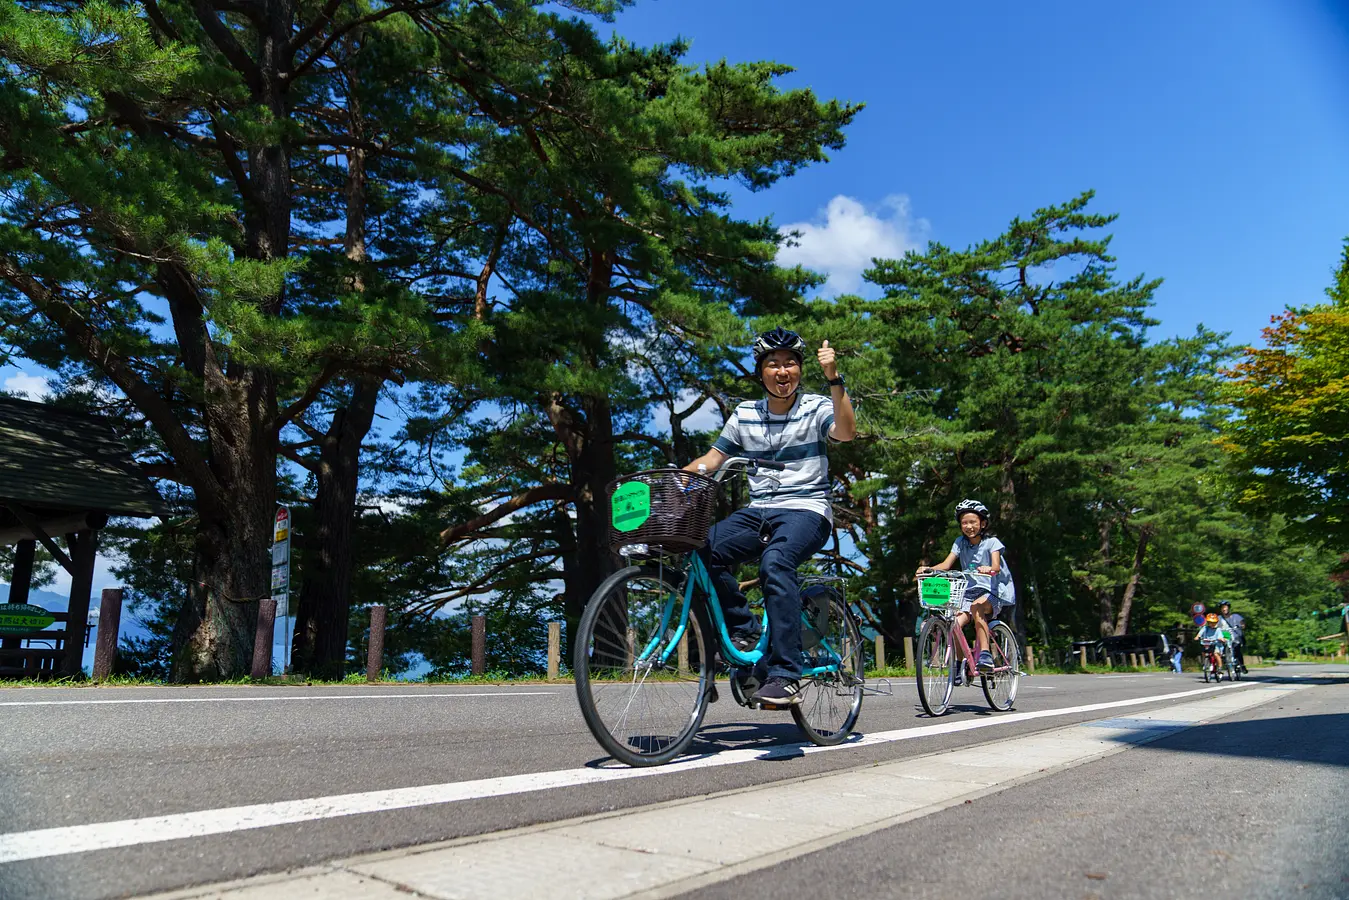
x: 669, y: 509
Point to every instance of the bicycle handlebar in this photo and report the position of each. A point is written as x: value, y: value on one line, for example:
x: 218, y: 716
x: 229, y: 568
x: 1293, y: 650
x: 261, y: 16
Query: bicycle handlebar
x: 736, y: 463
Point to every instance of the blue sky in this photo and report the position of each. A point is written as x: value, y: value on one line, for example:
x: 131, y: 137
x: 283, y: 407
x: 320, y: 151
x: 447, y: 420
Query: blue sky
x: 1219, y: 131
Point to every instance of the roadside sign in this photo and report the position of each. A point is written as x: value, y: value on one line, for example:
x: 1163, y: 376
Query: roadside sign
x: 1199, y: 620
x: 1198, y: 609
x: 22, y: 618
x: 281, y: 562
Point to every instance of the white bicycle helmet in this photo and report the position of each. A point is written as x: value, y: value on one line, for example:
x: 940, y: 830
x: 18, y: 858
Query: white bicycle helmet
x: 971, y: 506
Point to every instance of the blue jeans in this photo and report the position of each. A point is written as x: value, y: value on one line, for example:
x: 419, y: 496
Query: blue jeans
x: 795, y: 535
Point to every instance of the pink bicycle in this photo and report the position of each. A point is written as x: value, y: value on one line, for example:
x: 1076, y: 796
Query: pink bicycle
x: 942, y: 597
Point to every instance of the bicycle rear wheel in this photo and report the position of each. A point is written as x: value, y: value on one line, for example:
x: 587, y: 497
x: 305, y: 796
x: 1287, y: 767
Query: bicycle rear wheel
x: 933, y: 666
x: 830, y: 704
x: 641, y: 710
x: 1000, y: 688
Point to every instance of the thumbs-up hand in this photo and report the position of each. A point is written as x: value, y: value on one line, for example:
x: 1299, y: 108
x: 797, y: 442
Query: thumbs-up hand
x: 826, y: 357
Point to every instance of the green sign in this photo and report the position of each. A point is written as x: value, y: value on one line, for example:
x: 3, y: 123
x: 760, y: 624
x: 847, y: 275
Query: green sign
x: 1226, y: 635
x: 934, y: 591
x: 631, y: 505
x: 21, y: 618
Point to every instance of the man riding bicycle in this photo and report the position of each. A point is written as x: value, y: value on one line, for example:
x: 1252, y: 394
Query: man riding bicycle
x: 789, y: 517
x: 1238, y: 625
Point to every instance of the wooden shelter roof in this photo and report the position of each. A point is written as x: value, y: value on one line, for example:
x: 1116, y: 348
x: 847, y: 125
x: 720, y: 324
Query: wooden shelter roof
x: 56, y: 460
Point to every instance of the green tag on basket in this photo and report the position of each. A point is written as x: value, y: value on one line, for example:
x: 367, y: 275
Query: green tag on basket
x: 934, y: 591
x: 631, y: 505
x: 1227, y: 635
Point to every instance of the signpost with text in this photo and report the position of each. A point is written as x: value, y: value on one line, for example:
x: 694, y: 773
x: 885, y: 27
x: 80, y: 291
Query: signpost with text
x: 281, y: 576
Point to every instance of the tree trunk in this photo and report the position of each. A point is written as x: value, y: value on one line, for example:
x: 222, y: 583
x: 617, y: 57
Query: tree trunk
x: 1126, y: 604
x: 323, y: 616
x: 1039, y: 605
x: 590, y: 446
x: 1106, y: 595
x: 213, y: 637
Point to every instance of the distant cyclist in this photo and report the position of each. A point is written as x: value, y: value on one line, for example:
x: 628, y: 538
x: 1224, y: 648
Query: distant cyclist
x: 789, y: 517
x: 1238, y: 624
x: 978, y: 551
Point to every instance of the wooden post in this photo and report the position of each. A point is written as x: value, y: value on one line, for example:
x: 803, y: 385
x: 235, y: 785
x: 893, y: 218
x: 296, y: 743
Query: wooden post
x: 880, y: 651
x: 684, y: 653
x: 1133, y: 660
x: 1152, y: 659
x: 1030, y: 659
x: 1082, y: 656
x: 109, y: 622
x: 479, y: 663
x: 554, y: 648
x: 83, y: 549
x: 632, y: 647
x: 908, y: 652
x: 374, y: 656
x: 262, y: 639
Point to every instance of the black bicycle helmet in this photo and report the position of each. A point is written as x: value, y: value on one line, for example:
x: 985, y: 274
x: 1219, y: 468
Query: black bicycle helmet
x: 778, y: 339
x: 971, y: 506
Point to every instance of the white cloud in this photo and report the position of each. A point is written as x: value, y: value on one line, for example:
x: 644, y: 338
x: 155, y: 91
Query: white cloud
x: 34, y: 387
x: 847, y: 236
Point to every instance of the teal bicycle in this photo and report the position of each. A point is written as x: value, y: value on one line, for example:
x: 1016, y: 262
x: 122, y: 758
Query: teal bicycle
x: 647, y: 646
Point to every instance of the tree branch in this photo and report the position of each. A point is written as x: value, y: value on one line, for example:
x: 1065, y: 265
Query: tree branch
x: 528, y: 498
x: 224, y: 40
x: 311, y: 393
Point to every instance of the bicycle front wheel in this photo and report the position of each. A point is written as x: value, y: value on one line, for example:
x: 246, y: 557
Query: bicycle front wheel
x: 642, y: 696
x: 830, y: 704
x: 1000, y: 687
x: 935, y: 657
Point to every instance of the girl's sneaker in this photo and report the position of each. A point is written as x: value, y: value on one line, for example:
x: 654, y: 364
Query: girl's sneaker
x: 960, y: 674
x: 985, y: 663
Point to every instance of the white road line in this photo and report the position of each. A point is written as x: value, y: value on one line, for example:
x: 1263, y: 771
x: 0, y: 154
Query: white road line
x: 298, y: 698
x: 49, y: 842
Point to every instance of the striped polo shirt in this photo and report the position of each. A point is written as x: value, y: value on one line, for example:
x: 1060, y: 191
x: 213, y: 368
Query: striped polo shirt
x: 800, y: 439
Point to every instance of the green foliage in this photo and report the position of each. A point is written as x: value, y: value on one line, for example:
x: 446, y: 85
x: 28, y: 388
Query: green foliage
x: 1289, y: 442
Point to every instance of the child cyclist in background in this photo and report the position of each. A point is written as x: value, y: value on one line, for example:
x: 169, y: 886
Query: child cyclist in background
x: 978, y: 551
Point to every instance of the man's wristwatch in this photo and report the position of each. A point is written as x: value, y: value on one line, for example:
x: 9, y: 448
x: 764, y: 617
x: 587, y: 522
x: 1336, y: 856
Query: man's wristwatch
x: 836, y: 382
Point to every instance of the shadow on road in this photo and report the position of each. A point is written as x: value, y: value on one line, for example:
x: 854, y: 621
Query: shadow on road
x: 1321, y: 739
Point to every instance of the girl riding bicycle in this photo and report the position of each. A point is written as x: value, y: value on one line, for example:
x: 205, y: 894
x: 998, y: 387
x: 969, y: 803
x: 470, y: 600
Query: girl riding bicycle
x: 789, y: 517
x: 979, y: 552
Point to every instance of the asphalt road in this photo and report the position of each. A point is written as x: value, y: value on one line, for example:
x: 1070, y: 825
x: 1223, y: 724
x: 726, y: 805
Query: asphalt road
x: 71, y: 762
x: 1248, y: 807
